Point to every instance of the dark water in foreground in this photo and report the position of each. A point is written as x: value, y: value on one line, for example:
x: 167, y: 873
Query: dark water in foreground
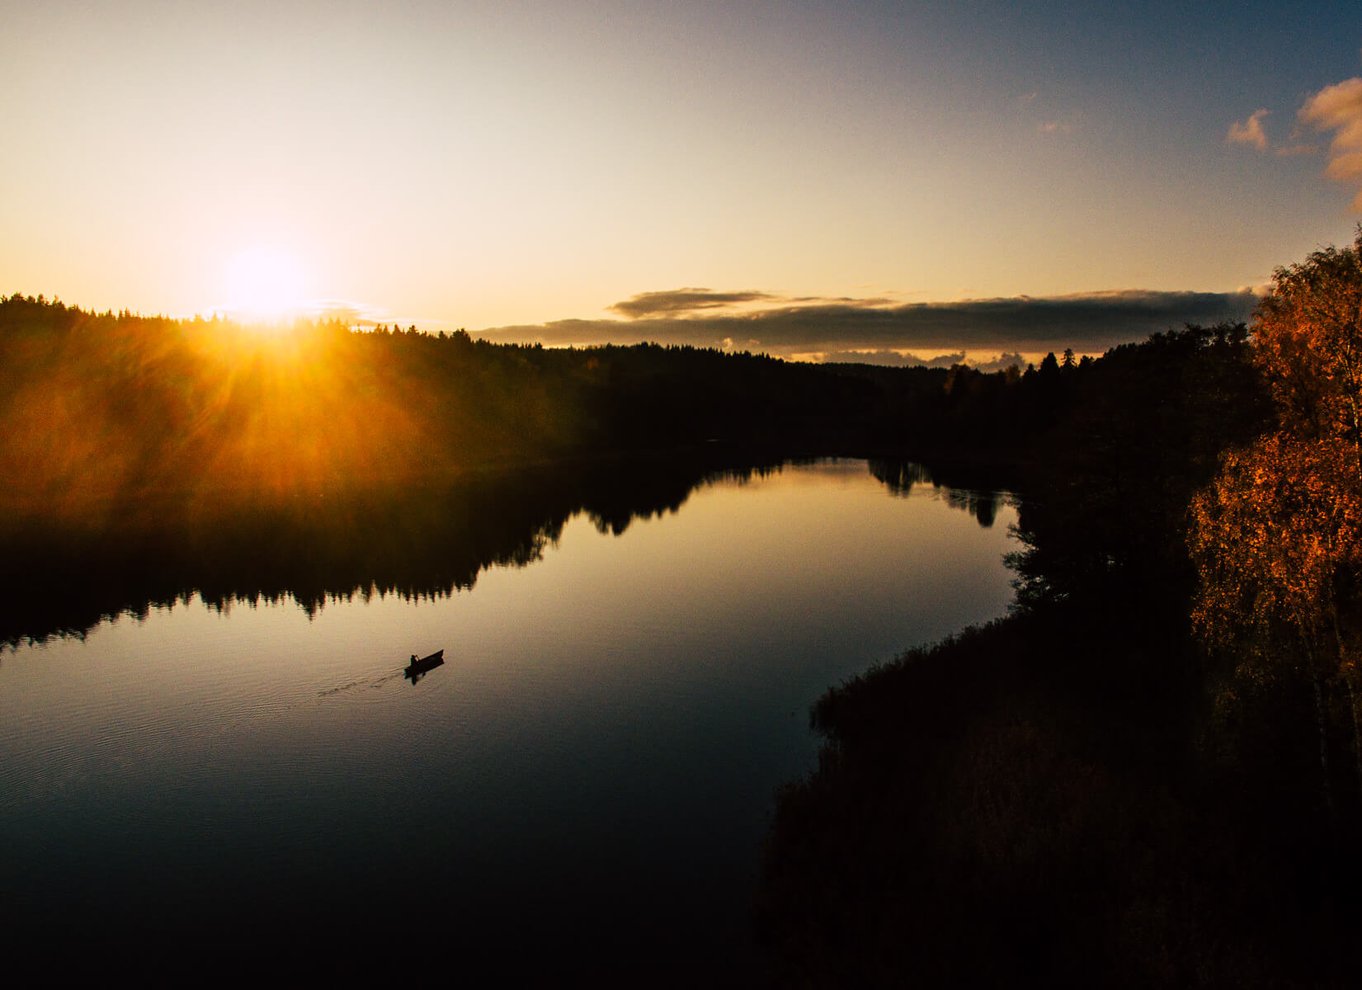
x: 584, y: 783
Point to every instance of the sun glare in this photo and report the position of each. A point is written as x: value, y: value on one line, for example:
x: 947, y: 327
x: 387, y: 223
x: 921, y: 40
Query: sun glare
x: 265, y: 284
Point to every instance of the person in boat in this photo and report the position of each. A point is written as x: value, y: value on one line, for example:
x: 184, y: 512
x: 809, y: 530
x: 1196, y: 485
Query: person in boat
x: 413, y: 659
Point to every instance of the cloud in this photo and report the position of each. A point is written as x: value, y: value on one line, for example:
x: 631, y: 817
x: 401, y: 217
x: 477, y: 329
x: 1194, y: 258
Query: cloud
x: 1338, y: 108
x: 1089, y: 323
x: 1002, y: 362
x: 897, y: 359
x: 1295, y: 150
x: 906, y: 359
x: 1041, y: 114
x: 1250, y: 131
x: 678, y: 302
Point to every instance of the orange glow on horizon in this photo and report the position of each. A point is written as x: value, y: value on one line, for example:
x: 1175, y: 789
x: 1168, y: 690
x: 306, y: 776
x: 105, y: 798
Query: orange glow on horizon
x: 241, y: 413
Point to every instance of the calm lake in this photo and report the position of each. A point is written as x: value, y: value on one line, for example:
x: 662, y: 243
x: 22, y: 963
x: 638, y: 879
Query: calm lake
x: 587, y: 779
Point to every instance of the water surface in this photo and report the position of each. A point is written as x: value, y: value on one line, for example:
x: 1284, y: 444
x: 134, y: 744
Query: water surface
x: 590, y: 773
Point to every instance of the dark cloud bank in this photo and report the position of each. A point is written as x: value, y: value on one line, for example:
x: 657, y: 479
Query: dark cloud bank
x: 869, y: 329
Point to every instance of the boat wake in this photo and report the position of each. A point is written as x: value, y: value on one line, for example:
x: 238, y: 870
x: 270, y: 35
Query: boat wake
x: 355, y: 685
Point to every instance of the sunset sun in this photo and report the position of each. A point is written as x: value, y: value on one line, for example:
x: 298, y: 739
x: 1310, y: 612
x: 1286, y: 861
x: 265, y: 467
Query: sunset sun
x: 264, y: 283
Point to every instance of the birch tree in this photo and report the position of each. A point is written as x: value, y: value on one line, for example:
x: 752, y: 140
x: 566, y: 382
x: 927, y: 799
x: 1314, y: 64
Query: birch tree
x: 1277, y: 537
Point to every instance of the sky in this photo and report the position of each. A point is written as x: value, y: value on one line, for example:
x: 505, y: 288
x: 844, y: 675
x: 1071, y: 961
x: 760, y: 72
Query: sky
x: 815, y: 179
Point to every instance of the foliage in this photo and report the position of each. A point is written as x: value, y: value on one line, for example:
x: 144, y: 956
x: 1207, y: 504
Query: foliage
x: 1277, y: 536
x: 1308, y: 341
x: 1272, y: 535
x: 101, y: 407
x: 1072, y: 795
x: 1141, y: 432
x: 1020, y: 805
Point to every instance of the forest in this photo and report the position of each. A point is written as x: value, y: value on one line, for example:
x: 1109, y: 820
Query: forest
x: 1150, y: 771
x: 104, y: 409
x: 148, y: 459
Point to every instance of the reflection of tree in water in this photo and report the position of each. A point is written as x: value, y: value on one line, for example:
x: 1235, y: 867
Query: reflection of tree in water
x: 983, y: 506
x: 613, y: 509
x: 64, y: 578
x: 900, y: 477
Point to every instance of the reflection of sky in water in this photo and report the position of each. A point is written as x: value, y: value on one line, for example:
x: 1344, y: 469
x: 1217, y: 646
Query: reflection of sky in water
x: 610, y: 721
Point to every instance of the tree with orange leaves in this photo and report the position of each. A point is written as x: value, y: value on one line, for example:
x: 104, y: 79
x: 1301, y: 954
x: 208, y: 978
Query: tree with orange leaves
x: 1277, y: 537
x: 1308, y: 342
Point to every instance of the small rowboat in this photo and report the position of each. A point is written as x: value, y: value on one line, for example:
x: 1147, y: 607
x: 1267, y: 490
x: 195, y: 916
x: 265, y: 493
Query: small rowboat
x: 418, y: 667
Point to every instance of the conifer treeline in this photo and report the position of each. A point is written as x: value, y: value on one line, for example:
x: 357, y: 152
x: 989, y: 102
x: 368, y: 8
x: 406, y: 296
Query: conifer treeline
x: 104, y: 404
x: 98, y: 406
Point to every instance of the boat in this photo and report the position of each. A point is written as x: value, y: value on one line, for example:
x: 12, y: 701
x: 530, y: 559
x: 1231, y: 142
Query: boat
x: 418, y: 668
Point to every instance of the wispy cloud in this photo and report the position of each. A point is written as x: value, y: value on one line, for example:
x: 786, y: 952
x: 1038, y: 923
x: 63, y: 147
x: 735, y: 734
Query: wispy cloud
x: 1250, y: 131
x: 1295, y: 150
x: 1032, y: 107
x: 1089, y: 323
x: 1338, y: 108
x: 680, y: 302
